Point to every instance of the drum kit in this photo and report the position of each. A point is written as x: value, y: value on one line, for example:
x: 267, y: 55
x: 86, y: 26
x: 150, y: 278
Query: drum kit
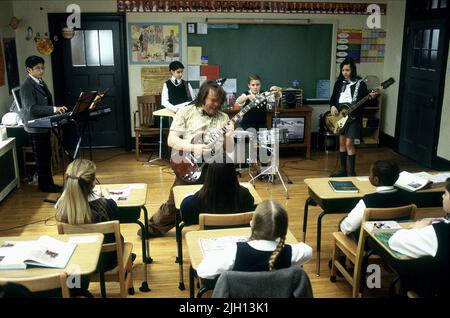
x: 266, y: 142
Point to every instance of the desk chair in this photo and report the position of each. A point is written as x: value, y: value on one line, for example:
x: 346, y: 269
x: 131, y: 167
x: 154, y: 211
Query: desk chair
x: 146, y: 104
x: 354, y: 252
x: 291, y: 282
x: 123, y: 272
x: 42, y: 283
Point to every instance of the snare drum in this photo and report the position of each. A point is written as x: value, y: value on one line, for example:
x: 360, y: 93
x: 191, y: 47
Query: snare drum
x: 245, y: 147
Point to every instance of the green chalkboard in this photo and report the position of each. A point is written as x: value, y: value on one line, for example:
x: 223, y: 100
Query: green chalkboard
x: 278, y: 53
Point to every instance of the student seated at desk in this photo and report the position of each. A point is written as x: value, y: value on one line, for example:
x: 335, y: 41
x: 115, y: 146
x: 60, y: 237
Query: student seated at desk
x: 264, y: 251
x: 79, y: 204
x: 220, y: 193
x: 428, y: 237
x: 383, y: 175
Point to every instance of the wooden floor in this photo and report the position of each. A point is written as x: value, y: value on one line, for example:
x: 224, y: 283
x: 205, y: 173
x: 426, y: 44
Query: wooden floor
x: 26, y: 206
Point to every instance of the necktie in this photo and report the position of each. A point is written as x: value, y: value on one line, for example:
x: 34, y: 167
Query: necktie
x: 176, y: 82
x: 41, y: 82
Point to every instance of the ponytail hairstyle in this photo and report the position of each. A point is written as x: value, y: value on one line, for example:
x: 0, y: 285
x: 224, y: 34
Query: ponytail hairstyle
x: 73, y: 205
x: 270, y: 222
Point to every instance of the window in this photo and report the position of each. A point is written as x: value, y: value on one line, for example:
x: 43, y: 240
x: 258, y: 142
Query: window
x: 426, y: 48
x: 92, y: 48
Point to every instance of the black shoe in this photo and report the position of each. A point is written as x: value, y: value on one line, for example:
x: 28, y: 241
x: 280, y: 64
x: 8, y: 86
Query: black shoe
x: 54, y: 188
x: 338, y: 173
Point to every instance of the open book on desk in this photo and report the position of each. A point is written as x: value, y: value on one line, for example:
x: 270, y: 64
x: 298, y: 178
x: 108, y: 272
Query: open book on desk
x: 412, y: 182
x: 437, y: 180
x: 44, y: 252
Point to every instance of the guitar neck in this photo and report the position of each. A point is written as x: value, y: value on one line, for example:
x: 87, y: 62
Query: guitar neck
x: 358, y: 104
x: 238, y: 117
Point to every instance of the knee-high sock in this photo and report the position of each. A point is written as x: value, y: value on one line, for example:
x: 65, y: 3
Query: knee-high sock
x: 351, y: 163
x: 343, y: 157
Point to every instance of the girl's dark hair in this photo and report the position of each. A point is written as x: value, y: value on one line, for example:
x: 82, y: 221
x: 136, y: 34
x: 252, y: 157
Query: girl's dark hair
x: 220, y: 191
x: 175, y: 65
x: 33, y: 60
x: 253, y: 77
x: 351, y: 62
x: 447, y: 184
x: 387, y: 171
x: 204, y: 91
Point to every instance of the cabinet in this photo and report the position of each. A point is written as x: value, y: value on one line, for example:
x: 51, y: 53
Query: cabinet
x: 9, y: 178
x: 370, y: 125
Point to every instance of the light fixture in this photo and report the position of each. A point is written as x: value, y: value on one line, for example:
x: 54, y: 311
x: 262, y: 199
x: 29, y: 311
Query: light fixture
x: 257, y: 21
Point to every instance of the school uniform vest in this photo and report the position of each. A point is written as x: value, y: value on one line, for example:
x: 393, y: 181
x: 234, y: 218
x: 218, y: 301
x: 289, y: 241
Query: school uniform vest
x: 382, y: 200
x: 178, y: 94
x: 249, y: 259
x: 255, y: 117
x: 442, y: 259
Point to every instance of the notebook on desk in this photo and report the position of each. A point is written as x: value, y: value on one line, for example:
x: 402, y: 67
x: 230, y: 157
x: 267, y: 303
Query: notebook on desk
x: 342, y: 186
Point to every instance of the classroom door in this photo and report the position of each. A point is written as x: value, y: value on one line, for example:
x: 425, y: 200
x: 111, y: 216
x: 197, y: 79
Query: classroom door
x: 422, y: 92
x: 94, y: 59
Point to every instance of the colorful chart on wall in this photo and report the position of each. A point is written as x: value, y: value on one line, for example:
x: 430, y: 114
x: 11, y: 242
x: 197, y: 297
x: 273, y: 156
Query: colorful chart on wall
x: 348, y: 45
x: 154, y: 43
x: 373, y: 46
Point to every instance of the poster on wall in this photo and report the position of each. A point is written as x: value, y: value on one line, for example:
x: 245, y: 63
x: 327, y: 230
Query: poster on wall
x: 12, y: 69
x: 153, y: 78
x: 348, y: 45
x: 154, y: 43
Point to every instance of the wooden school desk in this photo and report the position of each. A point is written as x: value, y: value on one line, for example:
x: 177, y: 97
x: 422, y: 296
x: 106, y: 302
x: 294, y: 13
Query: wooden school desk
x: 179, y: 193
x: 320, y: 193
x: 84, y: 258
x: 136, y: 199
x: 195, y: 251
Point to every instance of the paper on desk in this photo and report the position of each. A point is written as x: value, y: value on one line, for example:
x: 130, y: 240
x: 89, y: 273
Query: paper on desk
x: 120, y: 194
x: 83, y: 239
x: 138, y: 186
x: 217, y: 244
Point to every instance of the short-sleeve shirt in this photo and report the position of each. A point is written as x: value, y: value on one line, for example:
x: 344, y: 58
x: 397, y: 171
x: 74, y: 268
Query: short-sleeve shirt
x: 191, y: 120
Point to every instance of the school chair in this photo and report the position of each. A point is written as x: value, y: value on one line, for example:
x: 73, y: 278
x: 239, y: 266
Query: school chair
x: 208, y: 221
x: 123, y: 272
x: 145, y: 127
x: 42, y: 283
x: 291, y: 282
x: 354, y: 252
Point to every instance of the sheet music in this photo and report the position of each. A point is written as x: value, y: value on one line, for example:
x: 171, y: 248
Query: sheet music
x: 215, y: 245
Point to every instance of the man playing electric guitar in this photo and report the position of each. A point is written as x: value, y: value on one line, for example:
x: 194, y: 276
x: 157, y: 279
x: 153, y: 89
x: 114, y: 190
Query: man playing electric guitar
x: 202, y: 117
x: 349, y: 88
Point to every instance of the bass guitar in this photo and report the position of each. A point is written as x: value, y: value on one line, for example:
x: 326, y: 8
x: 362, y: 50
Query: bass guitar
x: 336, y: 123
x: 187, y: 165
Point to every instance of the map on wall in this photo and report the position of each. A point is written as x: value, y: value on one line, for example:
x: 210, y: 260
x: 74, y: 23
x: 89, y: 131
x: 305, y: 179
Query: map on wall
x: 154, y: 43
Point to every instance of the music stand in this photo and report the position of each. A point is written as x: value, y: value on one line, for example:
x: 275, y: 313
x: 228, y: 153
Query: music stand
x: 274, y: 155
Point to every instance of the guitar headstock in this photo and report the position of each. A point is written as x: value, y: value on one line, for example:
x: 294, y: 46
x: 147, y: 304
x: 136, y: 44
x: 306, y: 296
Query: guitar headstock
x: 259, y: 100
x: 387, y: 83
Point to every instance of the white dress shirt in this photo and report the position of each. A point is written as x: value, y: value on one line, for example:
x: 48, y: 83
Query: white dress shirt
x: 353, y: 220
x: 165, y: 94
x: 39, y: 83
x: 215, y: 264
x: 346, y: 95
x: 415, y: 242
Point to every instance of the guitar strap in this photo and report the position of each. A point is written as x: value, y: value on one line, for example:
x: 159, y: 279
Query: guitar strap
x: 355, y: 93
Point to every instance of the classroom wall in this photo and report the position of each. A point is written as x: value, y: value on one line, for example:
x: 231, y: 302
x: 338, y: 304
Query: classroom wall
x: 443, y: 150
x: 5, y: 31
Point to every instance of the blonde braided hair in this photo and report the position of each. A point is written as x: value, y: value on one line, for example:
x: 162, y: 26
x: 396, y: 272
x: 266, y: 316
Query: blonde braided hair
x: 270, y: 222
